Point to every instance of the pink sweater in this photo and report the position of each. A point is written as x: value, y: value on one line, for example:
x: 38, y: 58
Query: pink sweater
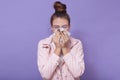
x: 73, y: 62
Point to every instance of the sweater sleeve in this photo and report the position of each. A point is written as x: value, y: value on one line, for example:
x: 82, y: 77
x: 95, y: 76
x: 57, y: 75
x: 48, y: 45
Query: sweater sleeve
x: 75, y: 60
x: 46, y: 63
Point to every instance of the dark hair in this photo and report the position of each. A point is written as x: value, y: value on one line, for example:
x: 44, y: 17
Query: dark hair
x: 60, y: 11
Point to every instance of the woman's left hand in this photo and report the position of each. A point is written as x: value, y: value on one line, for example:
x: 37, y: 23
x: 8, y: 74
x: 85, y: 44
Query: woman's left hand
x: 65, y: 42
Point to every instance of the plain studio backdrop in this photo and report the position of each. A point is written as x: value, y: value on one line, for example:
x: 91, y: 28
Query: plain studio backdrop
x: 24, y: 22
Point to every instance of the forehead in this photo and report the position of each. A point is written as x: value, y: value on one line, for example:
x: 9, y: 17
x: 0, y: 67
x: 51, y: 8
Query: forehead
x: 60, y: 21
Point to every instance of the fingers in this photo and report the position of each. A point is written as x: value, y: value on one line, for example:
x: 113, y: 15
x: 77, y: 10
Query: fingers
x: 66, y: 37
x: 57, y: 34
x: 61, y: 37
x: 56, y: 37
x: 66, y: 34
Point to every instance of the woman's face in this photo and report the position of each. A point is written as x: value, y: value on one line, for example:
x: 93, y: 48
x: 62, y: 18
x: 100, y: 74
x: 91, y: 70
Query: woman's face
x: 60, y: 23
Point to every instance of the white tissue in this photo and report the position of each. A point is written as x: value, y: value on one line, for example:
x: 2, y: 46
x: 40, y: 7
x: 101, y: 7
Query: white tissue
x: 62, y: 29
x: 68, y: 33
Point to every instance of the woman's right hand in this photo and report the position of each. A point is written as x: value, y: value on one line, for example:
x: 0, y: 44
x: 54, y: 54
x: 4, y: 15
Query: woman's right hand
x: 56, y: 39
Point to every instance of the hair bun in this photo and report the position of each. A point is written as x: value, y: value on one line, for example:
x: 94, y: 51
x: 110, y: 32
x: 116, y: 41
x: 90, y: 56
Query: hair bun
x: 59, y: 7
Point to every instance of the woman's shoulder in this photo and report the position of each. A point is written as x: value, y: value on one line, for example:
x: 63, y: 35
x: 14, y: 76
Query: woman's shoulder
x: 46, y: 40
x: 76, y: 40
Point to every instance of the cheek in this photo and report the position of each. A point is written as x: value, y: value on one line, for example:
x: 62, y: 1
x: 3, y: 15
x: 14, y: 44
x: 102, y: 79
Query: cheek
x: 53, y: 30
x: 68, y: 29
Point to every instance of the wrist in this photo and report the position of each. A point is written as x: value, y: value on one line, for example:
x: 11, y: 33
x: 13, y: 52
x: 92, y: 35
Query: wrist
x: 65, y: 50
x: 57, y: 51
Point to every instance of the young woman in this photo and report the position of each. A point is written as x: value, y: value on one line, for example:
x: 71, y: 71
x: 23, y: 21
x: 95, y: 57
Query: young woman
x: 60, y: 56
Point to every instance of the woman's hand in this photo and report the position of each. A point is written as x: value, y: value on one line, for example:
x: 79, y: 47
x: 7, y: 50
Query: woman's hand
x: 56, y: 39
x: 62, y: 41
x: 65, y: 42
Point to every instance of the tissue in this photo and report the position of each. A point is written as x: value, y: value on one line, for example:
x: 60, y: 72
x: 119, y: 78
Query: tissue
x: 62, y: 29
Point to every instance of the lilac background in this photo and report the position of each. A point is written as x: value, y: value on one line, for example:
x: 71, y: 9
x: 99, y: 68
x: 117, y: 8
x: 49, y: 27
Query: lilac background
x: 24, y: 22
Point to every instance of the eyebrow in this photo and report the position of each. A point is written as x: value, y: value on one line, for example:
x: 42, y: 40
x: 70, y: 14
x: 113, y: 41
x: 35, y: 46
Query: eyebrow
x: 62, y: 25
x: 55, y: 25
